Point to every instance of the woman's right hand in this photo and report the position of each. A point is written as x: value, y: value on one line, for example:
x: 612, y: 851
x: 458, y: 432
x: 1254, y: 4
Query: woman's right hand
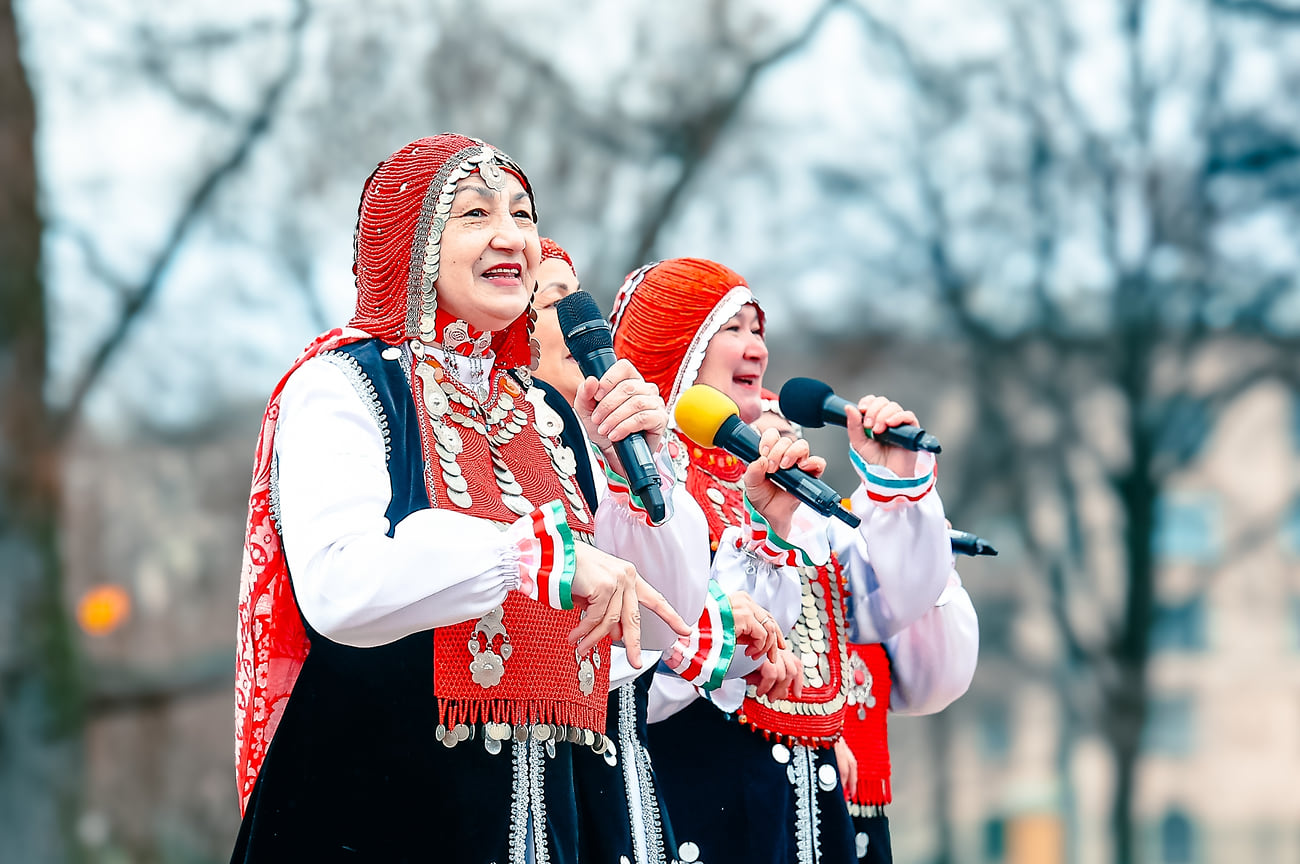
x: 777, y: 678
x: 847, y: 763
x: 772, y: 502
x: 610, y: 593
x: 755, y: 627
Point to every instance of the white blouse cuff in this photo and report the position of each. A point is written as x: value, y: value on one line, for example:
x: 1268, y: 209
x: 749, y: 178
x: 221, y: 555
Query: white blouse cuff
x: 541, y: 549
x: 622, y: 493
x: 885, y: 489
x: 807, y: 545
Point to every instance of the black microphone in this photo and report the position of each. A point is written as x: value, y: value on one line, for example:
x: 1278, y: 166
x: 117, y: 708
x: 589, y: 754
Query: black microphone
x: 708, y: 417
x: 813, y: 403
x: 589, y: 341
x: 966, y: 543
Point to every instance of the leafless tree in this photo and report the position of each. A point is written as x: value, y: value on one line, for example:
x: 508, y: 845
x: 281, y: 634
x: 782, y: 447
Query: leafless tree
x: 1087, y: 391
x: 45, y: 691
x: 39, y: 704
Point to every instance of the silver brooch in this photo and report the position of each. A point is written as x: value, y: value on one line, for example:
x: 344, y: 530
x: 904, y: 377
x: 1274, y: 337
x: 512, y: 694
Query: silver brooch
x: 488, y: 667
x: 586, y: 673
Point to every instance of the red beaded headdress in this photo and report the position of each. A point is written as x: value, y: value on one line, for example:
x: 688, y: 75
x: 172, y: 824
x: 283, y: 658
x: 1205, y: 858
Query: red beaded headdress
x: 666, y: 313
x: 551, y: 249
x: 409, y: 195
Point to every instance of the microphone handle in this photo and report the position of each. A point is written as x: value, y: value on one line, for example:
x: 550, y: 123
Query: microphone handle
x: 800, y: 484
x: 907, y: 436
x: 966, y: 543
x: 633, y: 451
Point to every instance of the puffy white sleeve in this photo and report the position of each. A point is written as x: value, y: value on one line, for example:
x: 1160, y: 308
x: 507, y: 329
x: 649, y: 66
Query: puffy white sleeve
x: 673, y: 556
x: 358, y: 586
x: 932, y: 661
x: 900, y: 558
x: 905, y: 591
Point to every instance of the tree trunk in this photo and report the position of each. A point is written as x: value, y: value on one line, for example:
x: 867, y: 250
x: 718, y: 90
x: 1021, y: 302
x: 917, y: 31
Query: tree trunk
x: 1128, y: 699
x: 40, y: 705
x: 941, y: 752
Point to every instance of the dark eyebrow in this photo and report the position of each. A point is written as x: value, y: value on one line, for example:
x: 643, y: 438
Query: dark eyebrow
x: 488, y: 195
x: 480, y: 191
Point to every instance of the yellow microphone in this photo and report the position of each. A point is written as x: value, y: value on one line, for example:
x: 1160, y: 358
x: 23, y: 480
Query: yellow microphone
x: 707, y: 416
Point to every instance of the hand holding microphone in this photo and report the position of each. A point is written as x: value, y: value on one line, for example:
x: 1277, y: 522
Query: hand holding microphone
x: 881, y: 432
x: 813, y: 404
x: 587, y: 336
x: 709, y: 418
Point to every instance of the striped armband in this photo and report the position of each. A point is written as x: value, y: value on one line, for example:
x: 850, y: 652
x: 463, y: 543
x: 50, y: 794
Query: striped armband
x: 623, y: 493
x: 546, y: 556
x: 758, y: 538
x: 886, y: 489
x: 704, y: 657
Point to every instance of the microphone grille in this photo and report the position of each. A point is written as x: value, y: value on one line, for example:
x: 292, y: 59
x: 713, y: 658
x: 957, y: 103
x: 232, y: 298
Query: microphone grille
x: 802, y: 400
x: 583, y: 327
x: 701, y: 411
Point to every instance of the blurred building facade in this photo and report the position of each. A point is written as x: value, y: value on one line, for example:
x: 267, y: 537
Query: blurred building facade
x: 1216, y: 781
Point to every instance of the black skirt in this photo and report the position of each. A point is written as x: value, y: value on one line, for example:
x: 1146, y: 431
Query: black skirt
x: 355, y: 773
x: 871, y: 837
x: 620, y: 812
x: 735, y: 796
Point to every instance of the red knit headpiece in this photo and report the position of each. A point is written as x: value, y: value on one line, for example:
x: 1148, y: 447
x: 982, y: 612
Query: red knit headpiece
x: 666, y: 313
x: 404, y: 207
x: 551, y: 249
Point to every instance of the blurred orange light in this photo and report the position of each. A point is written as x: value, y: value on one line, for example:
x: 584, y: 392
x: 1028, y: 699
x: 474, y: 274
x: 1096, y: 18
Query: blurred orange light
x: 102, y: 610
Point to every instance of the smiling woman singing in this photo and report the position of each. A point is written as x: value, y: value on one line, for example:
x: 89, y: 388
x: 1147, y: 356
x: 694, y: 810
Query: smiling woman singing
x: 414, y: 666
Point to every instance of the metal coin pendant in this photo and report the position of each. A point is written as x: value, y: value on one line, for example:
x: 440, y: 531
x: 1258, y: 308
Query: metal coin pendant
x: 449, y: 439
x: 517, y: 504
x: 487, y: 669
x: 586, y: 677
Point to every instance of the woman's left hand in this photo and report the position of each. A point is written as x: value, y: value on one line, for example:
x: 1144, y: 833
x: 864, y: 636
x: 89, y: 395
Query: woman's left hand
x: 847, y: 763
x: 619, y: 403
x: 878, y: 413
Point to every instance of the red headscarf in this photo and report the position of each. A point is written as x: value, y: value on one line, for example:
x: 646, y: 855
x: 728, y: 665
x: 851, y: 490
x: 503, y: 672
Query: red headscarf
x: 551, y: 249
x: 404, y: 208
x: 666, y: 313
x: 404, y: 205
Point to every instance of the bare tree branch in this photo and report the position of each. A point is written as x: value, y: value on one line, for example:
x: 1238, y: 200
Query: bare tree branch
x: 137, y: 303
x: 695, y: 138
x: 131, y: 688
x: 1277, y: 13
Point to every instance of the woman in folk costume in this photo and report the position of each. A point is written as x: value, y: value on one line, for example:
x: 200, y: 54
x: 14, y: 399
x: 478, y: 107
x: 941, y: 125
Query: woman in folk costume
x: 414, y: 668
x: 622, y: 817
x: 749, y: 776
x: 911, y: 649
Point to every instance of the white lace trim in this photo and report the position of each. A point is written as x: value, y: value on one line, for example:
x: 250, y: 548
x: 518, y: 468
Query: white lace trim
x: 519, y: 806
x: 536, y: 780
x: 803, y: 777
x: 642, y: 804
x: 731, y: 303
